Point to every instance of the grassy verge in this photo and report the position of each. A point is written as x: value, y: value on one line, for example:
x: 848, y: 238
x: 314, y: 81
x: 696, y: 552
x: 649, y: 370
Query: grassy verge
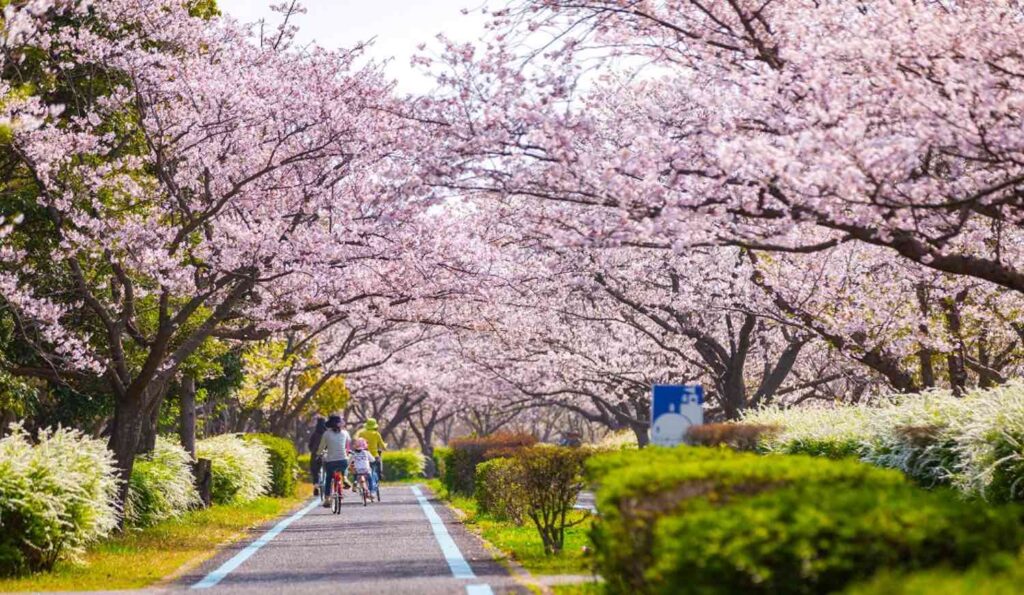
x: 141, y: 558
x: 522, y: 544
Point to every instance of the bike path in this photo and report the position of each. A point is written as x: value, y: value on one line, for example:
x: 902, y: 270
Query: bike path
x: 392, y: 547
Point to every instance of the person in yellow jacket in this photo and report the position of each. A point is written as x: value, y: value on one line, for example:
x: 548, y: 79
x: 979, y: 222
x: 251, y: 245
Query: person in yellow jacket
x: 375, y: 444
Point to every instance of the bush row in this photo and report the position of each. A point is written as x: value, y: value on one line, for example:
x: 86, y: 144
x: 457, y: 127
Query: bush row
x: 460, y: 459
x: 161, y: 485
x: 59, y: 492
x: 56, y: 495
x: 975, y: 442
x: 706, y: 520
x: 240, y: 468
x: 403, y: 464
x: 283, y: 463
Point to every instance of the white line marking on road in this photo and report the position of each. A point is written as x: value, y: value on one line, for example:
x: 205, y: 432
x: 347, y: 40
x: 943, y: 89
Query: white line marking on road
x: 225, y: 569
x: 479, y: 590
x: 460, y: 568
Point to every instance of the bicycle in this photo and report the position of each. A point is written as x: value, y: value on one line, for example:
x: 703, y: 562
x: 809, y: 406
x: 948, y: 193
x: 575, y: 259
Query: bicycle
x: 337, y: 492
x: 378, y: 468
x: 364, y: 488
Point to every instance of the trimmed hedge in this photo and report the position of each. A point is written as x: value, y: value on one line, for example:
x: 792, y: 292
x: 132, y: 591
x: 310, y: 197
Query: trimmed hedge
x: 496, y: 490
x: 56, y: 495
x: 460, y: 467
x: 240, y: 468
x: 403, y: 464
x: 1001, y: 575
x: 699, y: 520
x: 442, y: 460
x: 161, y: 485
x: 302, y: 464
x: 283, y: 463
x: 733, y: 435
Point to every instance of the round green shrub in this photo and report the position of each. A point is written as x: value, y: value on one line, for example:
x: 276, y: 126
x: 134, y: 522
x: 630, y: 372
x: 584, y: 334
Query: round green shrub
x: 283, y: 463
x: 811, y: 538
x: 403, y: 464
x: 240, y: 468
x: 56, y: 495
x: 638, y: 488
x: 1000, y: 575
x: 496, y: 489
x: 692, y: 520
x: 161, y: 485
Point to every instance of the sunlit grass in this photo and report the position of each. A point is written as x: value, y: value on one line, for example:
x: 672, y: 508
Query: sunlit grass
x: 141, y: 558
x: 522, y: 543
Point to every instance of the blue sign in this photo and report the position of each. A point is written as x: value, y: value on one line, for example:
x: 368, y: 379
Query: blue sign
x: 674, y: 408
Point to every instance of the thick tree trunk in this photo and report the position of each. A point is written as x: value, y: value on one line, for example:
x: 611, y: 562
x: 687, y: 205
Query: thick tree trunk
x: 124, y: 441
x: 153, y: 400
x: 642, y: 433
x: 187, y: 430
x: 955, y: 359
x: 426, y: 440
x: 150, y: 430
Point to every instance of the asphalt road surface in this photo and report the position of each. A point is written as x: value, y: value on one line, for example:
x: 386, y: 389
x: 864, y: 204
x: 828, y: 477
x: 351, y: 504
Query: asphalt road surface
x: 408, y: 543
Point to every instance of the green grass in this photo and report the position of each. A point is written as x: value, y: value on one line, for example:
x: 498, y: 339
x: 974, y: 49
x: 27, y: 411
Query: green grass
x: 522, y: 544
x: 141, y: 558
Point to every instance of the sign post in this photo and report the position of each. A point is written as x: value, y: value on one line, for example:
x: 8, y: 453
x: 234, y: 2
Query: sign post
x: 674, y: 408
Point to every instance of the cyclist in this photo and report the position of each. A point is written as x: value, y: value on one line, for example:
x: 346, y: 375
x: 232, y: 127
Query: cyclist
x: 375, y: 444
x: 337, y: 443
x: 362, y: 464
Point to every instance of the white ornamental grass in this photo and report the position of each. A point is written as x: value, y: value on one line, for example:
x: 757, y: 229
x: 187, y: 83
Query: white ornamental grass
x: 913, y: 433
x: 240, y: 468
x: 806, y: 429
x: 621, y: 440
x: 161, y: 486
x: 56, y: 496
x: 990, y: 442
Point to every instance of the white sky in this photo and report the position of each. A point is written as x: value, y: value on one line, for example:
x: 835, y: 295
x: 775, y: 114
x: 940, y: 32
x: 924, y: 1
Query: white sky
x: 398, y: 26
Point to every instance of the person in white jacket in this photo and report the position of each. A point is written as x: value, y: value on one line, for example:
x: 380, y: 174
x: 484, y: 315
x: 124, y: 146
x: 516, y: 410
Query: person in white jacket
x: 362, y: 464
x: 335, y: 444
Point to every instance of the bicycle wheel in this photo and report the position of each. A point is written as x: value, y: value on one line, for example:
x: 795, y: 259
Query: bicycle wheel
x: 364, y: 491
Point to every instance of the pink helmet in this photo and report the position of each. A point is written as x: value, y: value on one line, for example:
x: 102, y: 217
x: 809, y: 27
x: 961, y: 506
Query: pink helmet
x: 360, y: 444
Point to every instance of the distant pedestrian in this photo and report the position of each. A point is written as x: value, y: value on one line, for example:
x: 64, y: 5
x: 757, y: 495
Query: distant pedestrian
x: 571, y: 439
x: 314, y: 442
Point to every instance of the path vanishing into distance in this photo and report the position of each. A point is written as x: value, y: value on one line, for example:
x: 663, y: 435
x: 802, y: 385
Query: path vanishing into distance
x: 408, y: 543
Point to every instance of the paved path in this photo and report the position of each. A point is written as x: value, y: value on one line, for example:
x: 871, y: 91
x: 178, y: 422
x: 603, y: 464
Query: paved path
x: 386, y: 548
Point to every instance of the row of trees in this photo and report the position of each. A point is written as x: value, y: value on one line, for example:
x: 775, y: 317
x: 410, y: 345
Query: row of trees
x: 785, y: 201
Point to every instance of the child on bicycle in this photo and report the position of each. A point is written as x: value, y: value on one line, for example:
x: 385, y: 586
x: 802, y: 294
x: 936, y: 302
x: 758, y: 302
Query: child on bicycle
x: 371, y: 432
x: 362, y: 464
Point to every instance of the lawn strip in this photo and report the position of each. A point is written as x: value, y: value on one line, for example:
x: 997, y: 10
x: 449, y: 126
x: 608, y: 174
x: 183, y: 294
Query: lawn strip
x: 521, y: 543
x: 143, y: 557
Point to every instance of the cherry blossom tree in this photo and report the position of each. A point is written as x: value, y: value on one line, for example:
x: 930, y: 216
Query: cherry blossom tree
x: 677, y: 123
x: 226, y: 186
